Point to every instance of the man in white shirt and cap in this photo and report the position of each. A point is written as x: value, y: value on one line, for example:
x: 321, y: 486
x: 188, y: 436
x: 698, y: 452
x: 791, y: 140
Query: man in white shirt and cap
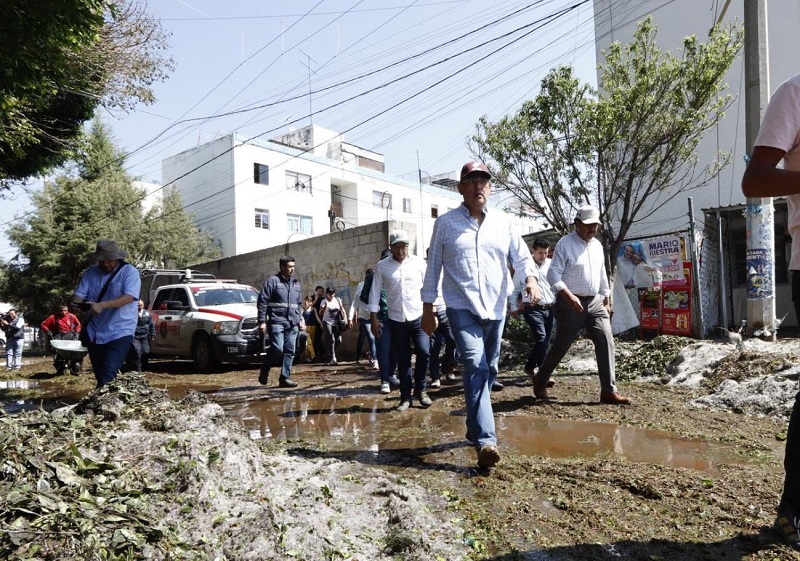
x: 402, y: 276
x: 578, y: 277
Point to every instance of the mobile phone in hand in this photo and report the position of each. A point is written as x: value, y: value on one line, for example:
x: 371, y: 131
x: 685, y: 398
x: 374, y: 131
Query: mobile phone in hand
x: 83, y: 306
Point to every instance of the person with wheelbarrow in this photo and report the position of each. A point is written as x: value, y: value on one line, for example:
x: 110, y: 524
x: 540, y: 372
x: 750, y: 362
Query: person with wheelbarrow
x: 64, y: 326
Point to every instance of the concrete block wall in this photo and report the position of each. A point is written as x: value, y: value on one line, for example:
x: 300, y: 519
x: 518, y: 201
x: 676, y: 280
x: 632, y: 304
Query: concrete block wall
x: 338, y: 259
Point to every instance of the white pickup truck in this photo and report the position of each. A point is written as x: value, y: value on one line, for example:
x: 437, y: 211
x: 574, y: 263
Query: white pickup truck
x: 210, y: 322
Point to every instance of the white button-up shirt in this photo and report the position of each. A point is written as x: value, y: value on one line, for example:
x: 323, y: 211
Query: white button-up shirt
x: 358, y: 309
x: 403, y: 283
x: 579, y: 266
x: 548, y: 297
x: 475, y: 258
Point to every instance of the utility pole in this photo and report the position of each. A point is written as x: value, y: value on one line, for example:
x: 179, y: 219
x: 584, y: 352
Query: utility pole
x: 421, y: 213
x: 760, y: 212
x: 310, y: 110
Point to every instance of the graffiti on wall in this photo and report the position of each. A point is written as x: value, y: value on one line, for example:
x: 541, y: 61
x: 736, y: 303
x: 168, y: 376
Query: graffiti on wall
x: 335, y: 274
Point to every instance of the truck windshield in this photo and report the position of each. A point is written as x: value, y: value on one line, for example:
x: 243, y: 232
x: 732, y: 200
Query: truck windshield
x: 225, y: 295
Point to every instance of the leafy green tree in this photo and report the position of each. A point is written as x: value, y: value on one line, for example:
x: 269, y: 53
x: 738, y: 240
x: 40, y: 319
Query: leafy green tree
x: 72, y: 212
x: 172, y: 240
x: 59, y: 61
x: 627, y: 151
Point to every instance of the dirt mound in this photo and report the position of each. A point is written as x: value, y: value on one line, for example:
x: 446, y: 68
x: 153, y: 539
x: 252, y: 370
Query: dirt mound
x: 127, y: 473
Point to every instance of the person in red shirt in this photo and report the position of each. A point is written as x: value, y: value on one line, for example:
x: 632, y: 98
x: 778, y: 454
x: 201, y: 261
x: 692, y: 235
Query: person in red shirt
x: 63, y: 325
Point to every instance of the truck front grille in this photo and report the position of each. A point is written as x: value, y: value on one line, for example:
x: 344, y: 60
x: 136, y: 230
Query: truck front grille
x: 249, y: 325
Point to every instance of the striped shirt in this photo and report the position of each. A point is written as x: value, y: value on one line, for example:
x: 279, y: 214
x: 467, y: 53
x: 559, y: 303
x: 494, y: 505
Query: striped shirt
x: 475, y: 259
x: 579, y: 266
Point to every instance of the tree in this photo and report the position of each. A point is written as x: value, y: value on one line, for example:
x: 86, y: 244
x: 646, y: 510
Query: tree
x: 172, y: 239
x: 627, y: 151
x: 72, y: 212
x: 59, y: 61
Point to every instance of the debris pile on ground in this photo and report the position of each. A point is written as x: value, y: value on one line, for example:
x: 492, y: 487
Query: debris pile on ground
x: 651, y: 359
x: 129, y: 474
x: 753, y: 376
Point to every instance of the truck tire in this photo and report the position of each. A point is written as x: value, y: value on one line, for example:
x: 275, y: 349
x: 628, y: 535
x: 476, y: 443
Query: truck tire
x: 203, y: 353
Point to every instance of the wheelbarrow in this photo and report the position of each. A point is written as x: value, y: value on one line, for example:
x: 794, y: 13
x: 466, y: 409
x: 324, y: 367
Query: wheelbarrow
x: 68, y: 354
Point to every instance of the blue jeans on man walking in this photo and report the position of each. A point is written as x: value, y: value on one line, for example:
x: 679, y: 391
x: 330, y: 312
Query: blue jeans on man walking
x: 442, y: 336
x: 402, y: 334
x: 282, y: 340
x: 478, y: 342
x: 108, y: 358
x: 541, y: 323
x: 365, y: 333
x: 387, y: 355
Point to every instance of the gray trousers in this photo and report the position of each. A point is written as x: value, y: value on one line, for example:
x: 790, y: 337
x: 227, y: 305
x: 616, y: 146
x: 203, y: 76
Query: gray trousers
x: 569, y: 322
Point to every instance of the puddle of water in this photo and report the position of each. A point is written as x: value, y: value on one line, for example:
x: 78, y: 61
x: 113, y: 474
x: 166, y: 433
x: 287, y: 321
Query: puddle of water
x: 367, y: 425
x: 18, y: 384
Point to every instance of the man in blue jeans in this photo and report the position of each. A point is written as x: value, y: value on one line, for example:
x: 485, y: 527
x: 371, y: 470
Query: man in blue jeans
x: 387, y: 355
x: 359, y: 316
x: 281, y: 298
x: 539, y: 316
x: 472, y: 246
x: 109, y: 290
x: 402, y: 276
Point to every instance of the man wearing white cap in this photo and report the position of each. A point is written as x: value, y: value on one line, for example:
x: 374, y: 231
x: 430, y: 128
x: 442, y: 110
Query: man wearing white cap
x: 401, y: 276
x: 470, y: 250
x: 583, y: 300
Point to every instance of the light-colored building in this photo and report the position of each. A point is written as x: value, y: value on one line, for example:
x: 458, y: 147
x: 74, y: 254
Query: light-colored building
x: 255, y: 194
x: 153, y: 194
x: 720, y: 204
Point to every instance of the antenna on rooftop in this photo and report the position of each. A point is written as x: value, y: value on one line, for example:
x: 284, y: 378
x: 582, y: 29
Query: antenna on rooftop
x: 308, y: 65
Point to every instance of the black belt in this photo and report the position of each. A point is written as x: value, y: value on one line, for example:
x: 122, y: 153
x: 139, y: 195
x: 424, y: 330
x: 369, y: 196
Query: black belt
x: 586, y: 297
x: 542, y: 306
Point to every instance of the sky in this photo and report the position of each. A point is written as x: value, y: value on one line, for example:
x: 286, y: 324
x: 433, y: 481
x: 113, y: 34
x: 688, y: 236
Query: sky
x: 405, y: 78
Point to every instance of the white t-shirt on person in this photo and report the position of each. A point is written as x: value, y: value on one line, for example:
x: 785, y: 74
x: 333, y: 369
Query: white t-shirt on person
x: 781, y: 129
x: 330, y: 310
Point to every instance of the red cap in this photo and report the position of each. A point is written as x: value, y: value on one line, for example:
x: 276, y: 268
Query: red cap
x: 474, y: 167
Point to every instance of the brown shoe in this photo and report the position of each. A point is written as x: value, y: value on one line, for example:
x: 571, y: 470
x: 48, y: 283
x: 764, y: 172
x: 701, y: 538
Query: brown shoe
x: 540, y: 390
x: 488, y: 457
x: 614, y: 399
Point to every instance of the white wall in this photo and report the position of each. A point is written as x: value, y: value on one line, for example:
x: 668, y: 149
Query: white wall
x: 207, y: 192
x: 223, y: 194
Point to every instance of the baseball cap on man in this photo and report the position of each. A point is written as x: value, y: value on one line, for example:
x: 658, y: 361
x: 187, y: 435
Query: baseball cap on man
x: 474, y: 167
x: 588, y: 215
x: 398, y: 236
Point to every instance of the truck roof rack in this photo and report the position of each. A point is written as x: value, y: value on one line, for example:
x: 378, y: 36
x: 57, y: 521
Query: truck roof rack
x: 210, y: 281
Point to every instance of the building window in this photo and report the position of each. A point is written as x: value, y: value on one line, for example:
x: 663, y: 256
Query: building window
x: 298, y: 181
x: 407, y: 206
x: 262, y: 218
x: 434, y: 211
x: 301, y: 224
x: 261, y: 174
x: 382, y: 199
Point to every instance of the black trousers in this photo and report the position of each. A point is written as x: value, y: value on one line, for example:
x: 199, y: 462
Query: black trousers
x: 790, y: 498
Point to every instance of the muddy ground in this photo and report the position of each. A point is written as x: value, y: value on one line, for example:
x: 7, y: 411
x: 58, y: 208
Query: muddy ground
x: 129, y: 474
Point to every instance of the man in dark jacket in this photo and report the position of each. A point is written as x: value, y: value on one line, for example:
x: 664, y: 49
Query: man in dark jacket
x: 280, y: 299
x: 145, y: 332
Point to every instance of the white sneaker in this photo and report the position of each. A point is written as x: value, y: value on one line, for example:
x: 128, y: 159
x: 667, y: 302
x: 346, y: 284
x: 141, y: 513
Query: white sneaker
x: 375, y: 365
x: 435, y: 384
x: 385, y: 388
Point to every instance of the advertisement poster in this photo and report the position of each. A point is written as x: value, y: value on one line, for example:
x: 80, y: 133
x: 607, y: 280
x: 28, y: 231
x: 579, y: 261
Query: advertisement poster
x: 648, y: 263
x: 759, y: 281
x: 676, y: 304
x: 658, y: 283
